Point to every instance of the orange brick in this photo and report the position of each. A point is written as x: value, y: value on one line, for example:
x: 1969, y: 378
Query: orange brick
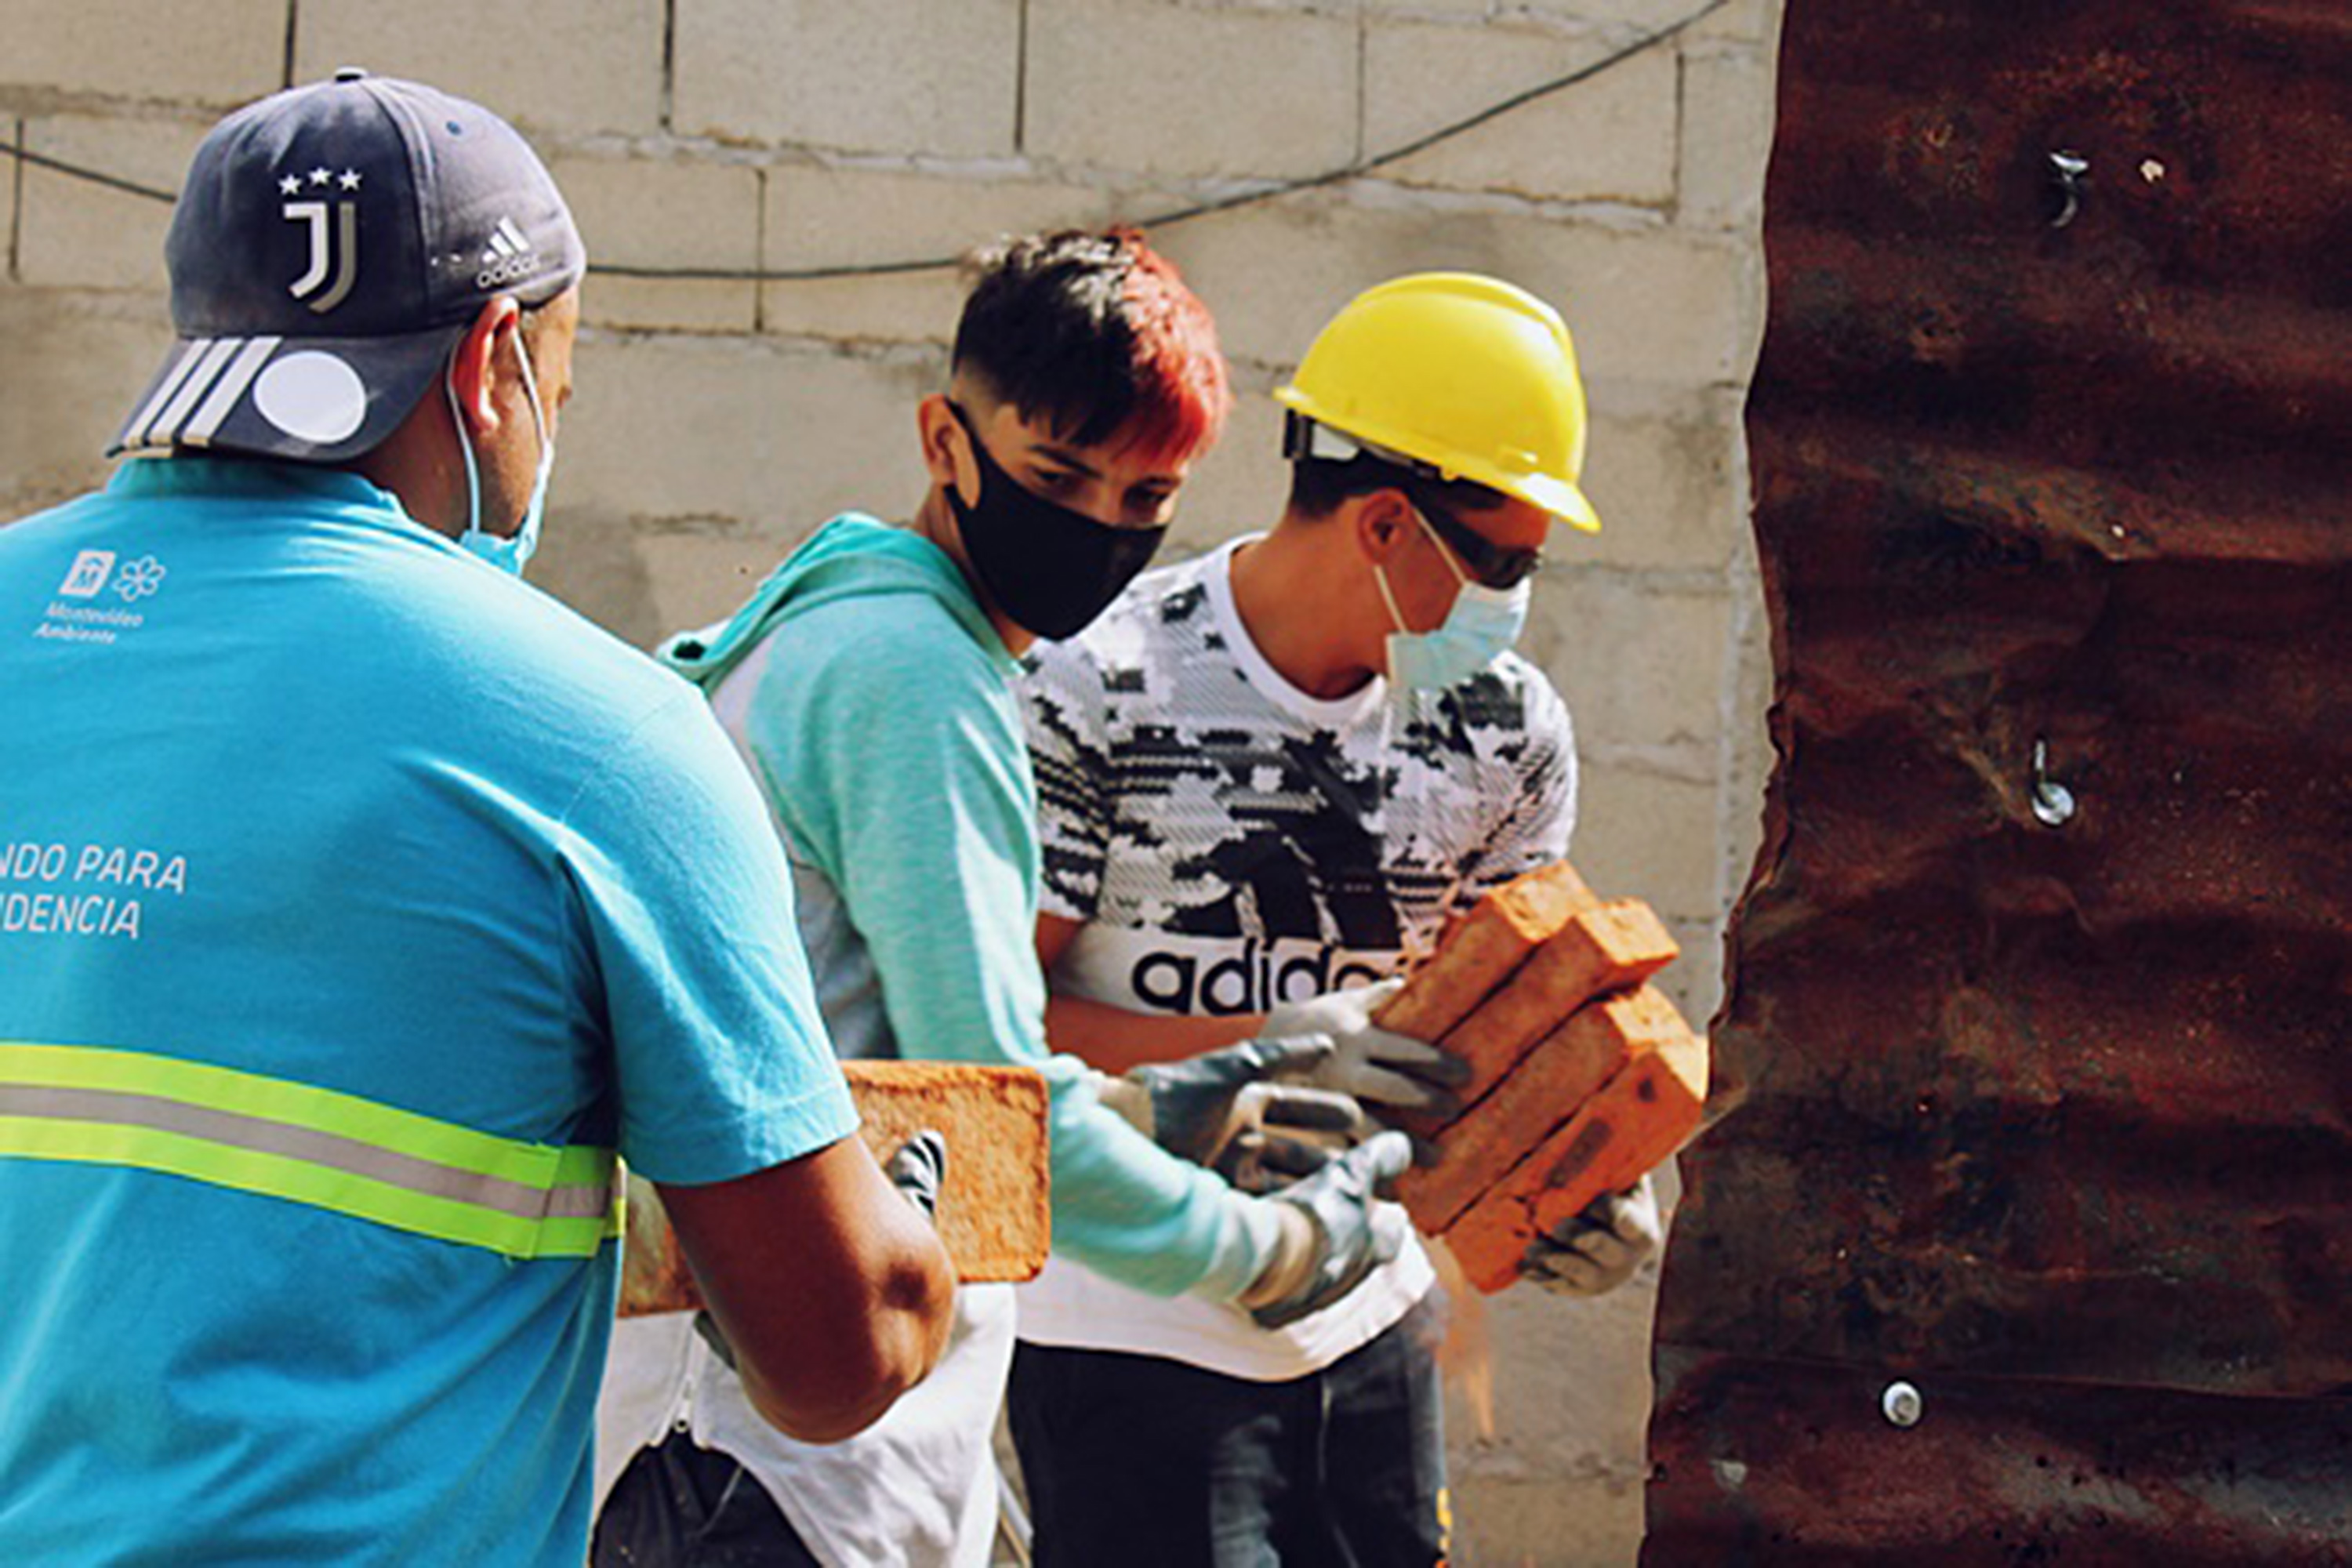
x: 994, y: 1213
x: 1479, y: 953
x: 654, y: 1274
x: 993, y: 1217
x: 1546, y: 1089
x: 1609, y: 948
x: 1643, y: 1114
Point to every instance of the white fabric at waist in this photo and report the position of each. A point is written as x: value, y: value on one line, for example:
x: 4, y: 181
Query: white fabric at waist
x: 916, y: 1488
x: 1072, y: 1307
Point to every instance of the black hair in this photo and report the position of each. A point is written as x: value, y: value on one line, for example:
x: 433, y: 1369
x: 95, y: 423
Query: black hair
x: 1048, y: 329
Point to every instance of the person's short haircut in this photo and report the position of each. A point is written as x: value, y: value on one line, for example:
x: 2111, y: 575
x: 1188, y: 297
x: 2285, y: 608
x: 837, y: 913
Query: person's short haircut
x: 1095, y: 334
x: 1317, y: 486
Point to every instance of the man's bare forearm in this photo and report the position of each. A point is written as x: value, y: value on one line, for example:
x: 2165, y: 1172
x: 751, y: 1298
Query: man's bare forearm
x: 832, y: 1287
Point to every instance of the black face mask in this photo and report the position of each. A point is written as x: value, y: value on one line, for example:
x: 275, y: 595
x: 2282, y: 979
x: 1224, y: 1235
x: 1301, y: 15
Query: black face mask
x: 1051, y: 569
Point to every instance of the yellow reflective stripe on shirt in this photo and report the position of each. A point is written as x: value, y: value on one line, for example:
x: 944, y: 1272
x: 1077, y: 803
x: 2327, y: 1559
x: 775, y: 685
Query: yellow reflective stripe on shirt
x: 306, y: 1144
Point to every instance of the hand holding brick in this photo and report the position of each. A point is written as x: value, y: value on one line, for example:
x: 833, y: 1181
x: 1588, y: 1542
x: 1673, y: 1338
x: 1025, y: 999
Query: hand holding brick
x: 992, y: 1212
x: 1490, y: 1140
x: 1581, y: 1076
x: 1643, y: 1114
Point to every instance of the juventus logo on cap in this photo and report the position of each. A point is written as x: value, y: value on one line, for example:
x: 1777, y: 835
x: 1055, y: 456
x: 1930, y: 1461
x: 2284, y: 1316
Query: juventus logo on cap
x: 334, y: 237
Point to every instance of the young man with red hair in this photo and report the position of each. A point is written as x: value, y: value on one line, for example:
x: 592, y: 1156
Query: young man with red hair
x: 869, y: 682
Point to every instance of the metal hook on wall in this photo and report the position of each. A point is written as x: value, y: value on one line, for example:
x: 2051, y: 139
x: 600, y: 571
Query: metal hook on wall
x: 2070, y: 174
x: 2053, y: 802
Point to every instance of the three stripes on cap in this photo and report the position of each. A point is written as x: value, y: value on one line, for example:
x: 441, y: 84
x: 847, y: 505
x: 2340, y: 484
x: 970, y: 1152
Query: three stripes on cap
x: 197, y: 394
x: 507, y: 240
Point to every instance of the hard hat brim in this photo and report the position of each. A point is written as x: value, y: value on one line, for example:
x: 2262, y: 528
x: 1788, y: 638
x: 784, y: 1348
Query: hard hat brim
x: 1563, y: 501
x: 1546, y: 492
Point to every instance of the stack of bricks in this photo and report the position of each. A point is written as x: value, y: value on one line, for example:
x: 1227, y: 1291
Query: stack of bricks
x: 1583, y: 1076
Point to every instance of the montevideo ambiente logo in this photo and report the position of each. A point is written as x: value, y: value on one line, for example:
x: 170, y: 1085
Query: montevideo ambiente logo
x: 77, y: 615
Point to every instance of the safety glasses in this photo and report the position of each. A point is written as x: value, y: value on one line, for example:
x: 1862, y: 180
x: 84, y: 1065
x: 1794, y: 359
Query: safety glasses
x: 1491, y: 565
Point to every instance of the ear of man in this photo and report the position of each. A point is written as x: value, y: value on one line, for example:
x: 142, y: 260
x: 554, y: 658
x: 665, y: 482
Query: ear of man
x: 935, y: 426
x: 1382, y: 522
x: 484, y: 372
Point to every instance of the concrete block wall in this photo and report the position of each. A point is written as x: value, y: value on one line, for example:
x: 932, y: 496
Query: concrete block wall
x: 719, y: 419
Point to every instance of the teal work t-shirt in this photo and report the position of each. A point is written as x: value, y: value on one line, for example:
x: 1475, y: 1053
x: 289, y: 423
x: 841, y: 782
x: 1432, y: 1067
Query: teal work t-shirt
x: 296, y: 796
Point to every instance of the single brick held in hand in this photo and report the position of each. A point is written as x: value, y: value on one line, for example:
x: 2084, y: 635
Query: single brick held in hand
x: 1608, y: 948
x: 1550, y: 1084
x: 1480, y: 953
x: 1642, y: 1115
x: 993, y: 1217
x: 994, y: 1213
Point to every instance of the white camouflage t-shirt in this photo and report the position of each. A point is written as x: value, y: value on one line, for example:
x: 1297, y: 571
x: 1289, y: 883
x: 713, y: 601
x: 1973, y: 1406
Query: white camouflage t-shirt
x: 1230, y: 842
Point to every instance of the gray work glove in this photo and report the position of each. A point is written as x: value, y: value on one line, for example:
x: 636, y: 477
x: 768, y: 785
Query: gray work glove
x: 1233, y: 1111
x: 918, y: 1169
x: 1345, y: 1235
x: 1370, y: 1063
x: 1599, y: 1250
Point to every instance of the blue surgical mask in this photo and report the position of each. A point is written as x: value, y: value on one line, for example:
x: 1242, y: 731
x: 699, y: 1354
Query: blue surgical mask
x: 1483, y: 623
x: 508, y: 553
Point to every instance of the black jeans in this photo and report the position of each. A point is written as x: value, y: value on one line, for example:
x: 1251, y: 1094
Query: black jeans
x: 1145, y: 1463
x: 679, y: 1506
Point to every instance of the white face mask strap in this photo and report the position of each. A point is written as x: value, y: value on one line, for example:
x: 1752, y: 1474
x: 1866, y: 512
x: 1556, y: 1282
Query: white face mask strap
x: 466, y: 446
x: 1388, y: 595
x: 537, y: 414
x: 1381, y: 575
x: 1443, y: 549
x: 466, y: 440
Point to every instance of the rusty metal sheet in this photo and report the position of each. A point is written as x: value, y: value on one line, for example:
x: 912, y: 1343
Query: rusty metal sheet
x: 2040, y: 999
x: 1801, y: 1465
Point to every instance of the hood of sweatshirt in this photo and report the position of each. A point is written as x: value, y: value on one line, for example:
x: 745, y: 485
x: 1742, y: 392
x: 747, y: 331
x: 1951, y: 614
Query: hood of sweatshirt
x: 852, y: 557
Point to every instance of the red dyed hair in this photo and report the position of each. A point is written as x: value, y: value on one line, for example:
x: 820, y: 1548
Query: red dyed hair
x: 1183, y: 394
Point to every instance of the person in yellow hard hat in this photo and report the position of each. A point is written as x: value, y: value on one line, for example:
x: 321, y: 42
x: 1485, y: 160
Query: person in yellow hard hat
x: 1265, y: 777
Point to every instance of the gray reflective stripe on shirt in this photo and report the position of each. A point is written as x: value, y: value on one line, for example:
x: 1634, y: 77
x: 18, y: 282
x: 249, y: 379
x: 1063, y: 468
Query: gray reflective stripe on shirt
x: 350, y: 1156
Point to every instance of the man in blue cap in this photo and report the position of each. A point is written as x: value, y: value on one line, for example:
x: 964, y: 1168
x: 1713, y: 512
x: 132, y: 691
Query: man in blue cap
x: 358, y: 903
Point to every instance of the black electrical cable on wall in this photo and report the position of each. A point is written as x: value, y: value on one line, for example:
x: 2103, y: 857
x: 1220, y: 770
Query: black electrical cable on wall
x: 941, y: 263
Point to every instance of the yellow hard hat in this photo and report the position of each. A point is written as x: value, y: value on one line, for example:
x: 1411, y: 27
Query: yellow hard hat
x: 1467, y: 375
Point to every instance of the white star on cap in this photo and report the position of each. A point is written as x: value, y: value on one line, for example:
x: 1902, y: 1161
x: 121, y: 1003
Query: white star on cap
x: 320, y: 176
x: 350, y: 180
x: 290, y: 185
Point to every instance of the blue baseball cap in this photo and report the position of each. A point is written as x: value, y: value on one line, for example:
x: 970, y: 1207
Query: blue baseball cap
x: 331, y: 246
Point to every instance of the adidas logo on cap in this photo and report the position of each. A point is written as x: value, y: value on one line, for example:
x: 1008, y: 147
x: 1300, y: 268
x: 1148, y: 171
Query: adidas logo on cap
x: 508, y: 259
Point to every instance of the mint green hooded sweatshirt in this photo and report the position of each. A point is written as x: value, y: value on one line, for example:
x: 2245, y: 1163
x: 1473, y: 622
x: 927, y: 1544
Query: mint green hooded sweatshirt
x: 871, y: 695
